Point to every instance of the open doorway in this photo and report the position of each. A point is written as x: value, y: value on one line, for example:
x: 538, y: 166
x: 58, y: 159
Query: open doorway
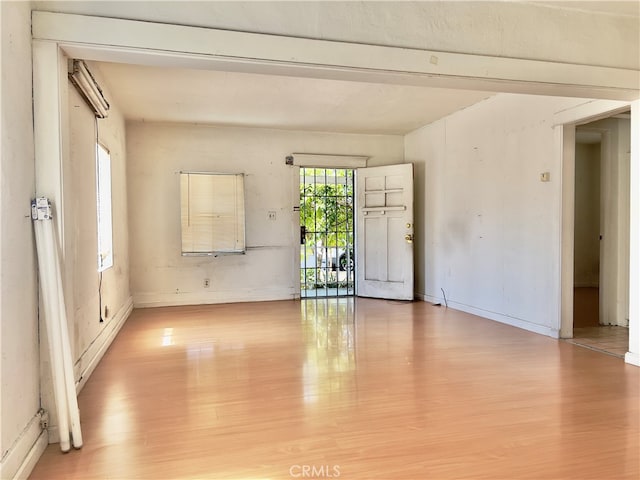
x: 587, y: 221
x: 327, y: 261
x: 601, y: 235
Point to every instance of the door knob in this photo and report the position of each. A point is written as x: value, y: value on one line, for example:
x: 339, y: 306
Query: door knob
x: 409, y: 238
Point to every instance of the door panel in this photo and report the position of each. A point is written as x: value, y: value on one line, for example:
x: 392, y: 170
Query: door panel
x: 396, y: 243
x: 385, y: 232
x: 375, y: 237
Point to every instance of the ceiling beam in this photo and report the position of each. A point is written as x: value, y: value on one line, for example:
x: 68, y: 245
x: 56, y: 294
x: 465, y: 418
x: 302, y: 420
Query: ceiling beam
x: 148, y: 43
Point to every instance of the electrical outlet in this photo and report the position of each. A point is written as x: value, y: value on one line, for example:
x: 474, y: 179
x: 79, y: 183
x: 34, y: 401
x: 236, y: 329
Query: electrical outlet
x: 206, y: 283
x: 271, y: 215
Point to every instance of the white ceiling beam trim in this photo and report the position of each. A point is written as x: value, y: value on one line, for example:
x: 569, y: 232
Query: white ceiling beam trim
x: 81, y: 30
x: 203, y: 62
x: 589, y: 111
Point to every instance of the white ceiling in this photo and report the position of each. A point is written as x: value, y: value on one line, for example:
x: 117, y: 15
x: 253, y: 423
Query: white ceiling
x: 268, y: 101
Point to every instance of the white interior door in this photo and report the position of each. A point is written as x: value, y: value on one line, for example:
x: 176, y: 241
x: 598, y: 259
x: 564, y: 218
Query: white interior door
x: 384, y: 232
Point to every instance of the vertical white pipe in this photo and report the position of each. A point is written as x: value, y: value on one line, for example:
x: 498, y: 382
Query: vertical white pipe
x: 53, y: 331
x: 67, y: 360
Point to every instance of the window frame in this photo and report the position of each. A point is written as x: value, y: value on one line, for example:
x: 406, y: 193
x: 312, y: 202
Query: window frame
x: 104, y: 208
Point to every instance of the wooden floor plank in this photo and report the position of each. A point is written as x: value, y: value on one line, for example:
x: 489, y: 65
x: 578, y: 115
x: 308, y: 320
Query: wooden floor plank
x: 355, y: 389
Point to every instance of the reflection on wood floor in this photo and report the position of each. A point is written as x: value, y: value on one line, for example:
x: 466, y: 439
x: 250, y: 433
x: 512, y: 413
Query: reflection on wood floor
x: 355, y: 388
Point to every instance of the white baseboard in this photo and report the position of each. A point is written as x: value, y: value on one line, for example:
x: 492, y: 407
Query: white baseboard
x: 89, y: 360
x: 23, y: 455
x: 632, y: 358
x: 146, y: 300
x: 498, y: 317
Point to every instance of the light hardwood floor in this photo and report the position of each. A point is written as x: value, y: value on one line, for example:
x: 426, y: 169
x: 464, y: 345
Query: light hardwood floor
x: 363, y: 389
x: 586, y: 307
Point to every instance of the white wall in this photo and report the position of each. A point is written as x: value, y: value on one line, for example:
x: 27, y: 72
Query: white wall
x: 587, y: 216
x: 81, y: 228
x: 90, y: 337
x: 490, y: 228
x: 19, y: 368
x: 158, y: 152
x: 503, y: 29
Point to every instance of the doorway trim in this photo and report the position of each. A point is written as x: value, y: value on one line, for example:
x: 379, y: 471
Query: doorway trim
x: 347, y: 161
x: 603, y: 159
x: 565, y: 129
x: 325, y: 264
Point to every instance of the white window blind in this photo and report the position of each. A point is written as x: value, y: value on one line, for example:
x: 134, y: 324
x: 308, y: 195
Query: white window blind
x: 212, y: 213
x: 105, y: 223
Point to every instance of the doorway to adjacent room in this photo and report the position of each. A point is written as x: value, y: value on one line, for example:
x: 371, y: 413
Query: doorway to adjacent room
x: 601, y: 238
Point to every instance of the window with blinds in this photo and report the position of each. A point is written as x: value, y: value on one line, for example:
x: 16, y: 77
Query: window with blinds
x: 212, y: 213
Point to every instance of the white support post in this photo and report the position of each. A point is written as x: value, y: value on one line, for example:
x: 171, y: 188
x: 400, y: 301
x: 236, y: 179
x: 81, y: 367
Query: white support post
x: 565, y: 141
x: 49, y: 87
x: 48, y: 126
x: 633, y: 355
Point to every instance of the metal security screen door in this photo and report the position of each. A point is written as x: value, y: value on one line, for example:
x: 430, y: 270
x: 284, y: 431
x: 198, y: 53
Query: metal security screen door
x: 326, y: 232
